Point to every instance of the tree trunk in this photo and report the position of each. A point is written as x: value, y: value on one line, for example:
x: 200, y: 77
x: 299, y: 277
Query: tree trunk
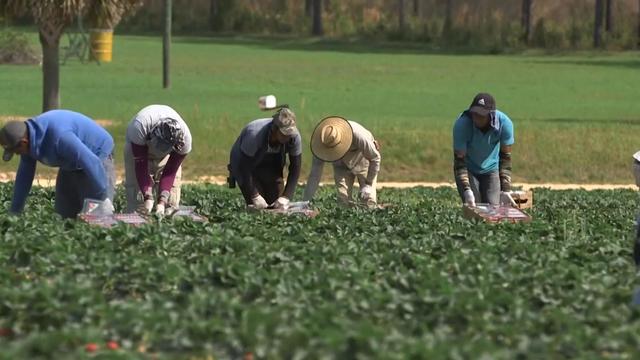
x: 50, y: 72
x: 166, y: 45
x: 608, y: 24
x: 526, y: 20
x: 416, y: 7
x: 317, y: 18
x: 597, y: 28
x: 401, y: 16
x: 308, y: 8
x: 448, y: 18
x: 213, y: 14
x: 638, y: 23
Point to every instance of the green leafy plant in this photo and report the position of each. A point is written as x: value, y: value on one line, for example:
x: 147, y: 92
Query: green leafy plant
x: 415, y: 280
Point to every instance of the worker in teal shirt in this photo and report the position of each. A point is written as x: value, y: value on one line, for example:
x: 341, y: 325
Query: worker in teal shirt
x: 482, y: 141
x: 77, y: 145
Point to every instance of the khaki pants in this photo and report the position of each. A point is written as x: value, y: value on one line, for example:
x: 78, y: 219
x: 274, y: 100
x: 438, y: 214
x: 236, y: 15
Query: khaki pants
x: 156, y: 166
x: 344, y: 179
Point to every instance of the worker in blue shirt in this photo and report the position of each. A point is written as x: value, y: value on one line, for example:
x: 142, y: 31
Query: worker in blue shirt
x: 482, y: 141
x: 77, y: 145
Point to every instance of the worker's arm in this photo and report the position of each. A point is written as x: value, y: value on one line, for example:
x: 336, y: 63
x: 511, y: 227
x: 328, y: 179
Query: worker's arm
x: 314, y: 179
x: 169, y: 173
x: 22, y: 186
x: 370, y: 152
x: 461, y: 131
x: 506, y: 142
x: 295, y: 164
x: 141, y: 166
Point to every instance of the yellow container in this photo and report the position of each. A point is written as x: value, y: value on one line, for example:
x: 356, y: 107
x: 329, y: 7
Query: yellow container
x: 101, y: 44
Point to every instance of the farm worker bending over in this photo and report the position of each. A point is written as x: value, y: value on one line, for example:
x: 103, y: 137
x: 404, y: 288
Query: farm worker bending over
x: 80, y: 148
x: 157, y: 142
x: 257, y: 160
x: 482, y: 140
x: 354, y: 153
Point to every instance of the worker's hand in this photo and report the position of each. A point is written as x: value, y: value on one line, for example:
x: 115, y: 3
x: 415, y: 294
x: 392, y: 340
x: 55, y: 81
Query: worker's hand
x: 507, y: 199
x: 366, y: 192
x: 107, y: 207
x: 160, y: 209
x: 281, y: 203
x: 469, y: 198
x: 259, y: 202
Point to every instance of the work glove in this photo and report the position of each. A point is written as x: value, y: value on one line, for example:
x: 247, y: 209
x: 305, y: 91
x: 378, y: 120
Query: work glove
x: 146, y: 207
x: 469, y: 198
x: 281, y: 203
x: 160, y: 209
x: 506, y: 199
x: 366, y: 192
x: 259, y: 202
x: 107, y: 207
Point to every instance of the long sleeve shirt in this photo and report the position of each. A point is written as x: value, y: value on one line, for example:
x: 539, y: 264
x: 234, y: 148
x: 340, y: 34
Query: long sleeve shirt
x: 362, y: 157
x: 64, y: 139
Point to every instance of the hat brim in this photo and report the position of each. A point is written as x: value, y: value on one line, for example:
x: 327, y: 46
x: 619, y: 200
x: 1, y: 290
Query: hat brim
x: 332, y: 153
x: 479, y: 110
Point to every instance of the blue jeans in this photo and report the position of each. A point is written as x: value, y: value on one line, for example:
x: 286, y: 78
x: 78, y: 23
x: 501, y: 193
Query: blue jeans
x: 485, y: 187
x: 72, y: 187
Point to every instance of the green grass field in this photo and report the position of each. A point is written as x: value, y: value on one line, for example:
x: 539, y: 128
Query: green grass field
x: 574, y: 113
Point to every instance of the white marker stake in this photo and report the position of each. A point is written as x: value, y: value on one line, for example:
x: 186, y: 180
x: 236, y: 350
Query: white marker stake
x: 267, y: 102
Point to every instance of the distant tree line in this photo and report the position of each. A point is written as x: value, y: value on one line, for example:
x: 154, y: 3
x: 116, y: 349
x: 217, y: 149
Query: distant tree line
x: 476, y: 23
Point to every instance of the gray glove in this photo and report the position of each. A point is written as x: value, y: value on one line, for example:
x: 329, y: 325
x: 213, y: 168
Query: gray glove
x: 506, y: 199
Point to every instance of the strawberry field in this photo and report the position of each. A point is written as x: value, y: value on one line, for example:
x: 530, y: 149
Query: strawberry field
x: 414, y: 280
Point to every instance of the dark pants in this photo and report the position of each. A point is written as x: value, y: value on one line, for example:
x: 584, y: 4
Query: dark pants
x: 73, y: 187
x: 268, y: 177
x: 485, y: 187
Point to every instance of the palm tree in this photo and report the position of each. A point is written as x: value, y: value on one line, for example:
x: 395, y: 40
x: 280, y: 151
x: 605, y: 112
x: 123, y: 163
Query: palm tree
x: 106, y: 14
x: 52, y: 17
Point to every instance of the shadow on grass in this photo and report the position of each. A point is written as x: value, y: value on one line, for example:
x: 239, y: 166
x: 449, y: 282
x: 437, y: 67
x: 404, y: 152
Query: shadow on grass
x: 619, y: 63
x: 604, y: 122
x: 359, y: 45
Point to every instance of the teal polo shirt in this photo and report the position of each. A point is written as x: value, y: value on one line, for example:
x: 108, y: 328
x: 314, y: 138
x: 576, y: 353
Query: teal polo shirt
x: 482, y: 148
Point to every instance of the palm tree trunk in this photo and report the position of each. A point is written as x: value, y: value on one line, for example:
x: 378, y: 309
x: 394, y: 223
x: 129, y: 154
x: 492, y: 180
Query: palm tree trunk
x: 50, y: 72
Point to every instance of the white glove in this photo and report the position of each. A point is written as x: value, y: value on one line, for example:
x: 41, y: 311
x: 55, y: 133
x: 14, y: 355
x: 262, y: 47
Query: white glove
x: 469, y: 198
x: 366, y: 192
x: 146, y: 207
x: 107, y: 207
x: 507, y: 199
x: 281, y: 203
x: 160, y: 209
x: 259, y: 202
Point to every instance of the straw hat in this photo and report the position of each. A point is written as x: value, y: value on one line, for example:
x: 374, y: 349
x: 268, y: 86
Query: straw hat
x: 331, y: 138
